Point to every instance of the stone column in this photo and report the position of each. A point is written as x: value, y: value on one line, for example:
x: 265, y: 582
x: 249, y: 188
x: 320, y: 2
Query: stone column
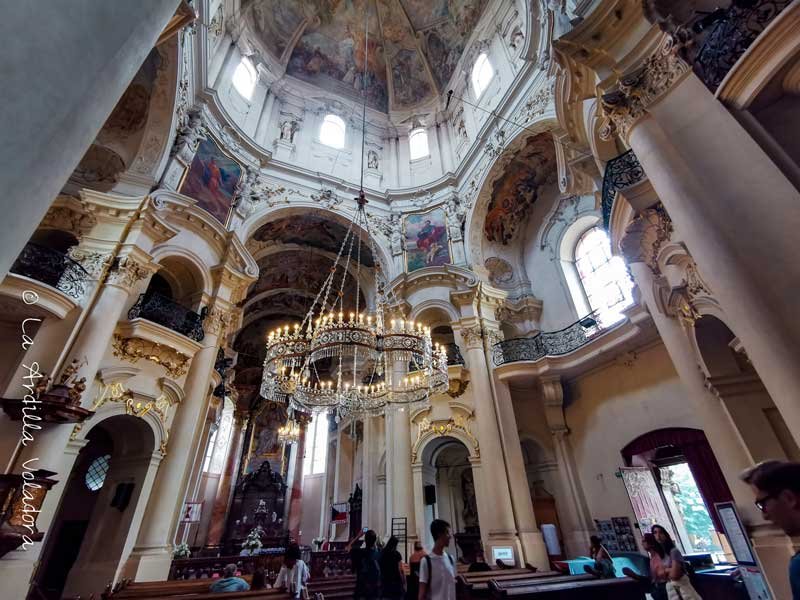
x: 399, y: 436
x: 533, y: 547
x: 772, y: 548
x: 151, y: 556
x: 98, y: 51
x: 694, y: 153
x: 368, y: 476
x: 572, y: 505
x: 296, y: 496
x: 227, y: 483
x: 497, y: 521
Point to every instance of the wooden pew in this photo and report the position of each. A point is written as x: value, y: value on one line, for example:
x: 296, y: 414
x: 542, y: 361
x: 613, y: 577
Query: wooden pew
x: 592, y: 589
x: 468, y: 586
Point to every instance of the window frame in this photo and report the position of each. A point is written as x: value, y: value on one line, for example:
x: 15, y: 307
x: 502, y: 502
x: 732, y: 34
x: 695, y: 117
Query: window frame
x: 331, y: 119
x: 481, y: 62
x: 246, y: 64
x: 415, y: 133
x: 316, y: 450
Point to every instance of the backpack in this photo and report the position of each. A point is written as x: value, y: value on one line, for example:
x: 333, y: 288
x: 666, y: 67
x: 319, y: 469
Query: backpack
x: 427, y: 560
x: 368, y: 577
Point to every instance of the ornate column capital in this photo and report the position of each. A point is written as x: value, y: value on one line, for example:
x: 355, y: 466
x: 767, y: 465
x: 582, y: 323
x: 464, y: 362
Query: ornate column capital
x: 640, y: 88
x: 644, y: 237
x: 218, y: 319
x: 472, y: 336
x: 93, y: 261
x: 127, y: 271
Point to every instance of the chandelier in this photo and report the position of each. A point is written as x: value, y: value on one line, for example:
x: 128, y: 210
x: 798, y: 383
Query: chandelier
x: 290, y: 432
x: 344, y: 359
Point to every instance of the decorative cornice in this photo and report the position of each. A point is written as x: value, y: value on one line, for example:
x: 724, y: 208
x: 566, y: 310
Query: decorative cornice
x: 68, y: 214
x: 639, y: 89
x: 443, y: 427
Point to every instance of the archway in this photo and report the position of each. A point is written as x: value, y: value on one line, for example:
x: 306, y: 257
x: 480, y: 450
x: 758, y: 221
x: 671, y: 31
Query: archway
x: 738, y: 385
x: 89, y: 534
x: 448, y: 492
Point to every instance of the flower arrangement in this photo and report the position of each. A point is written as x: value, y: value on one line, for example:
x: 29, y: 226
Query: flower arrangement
x: 253, y: 541
x: 181, y: 551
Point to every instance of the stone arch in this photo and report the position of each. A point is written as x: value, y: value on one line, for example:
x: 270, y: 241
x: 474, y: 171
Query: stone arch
x: 189, y: 272
x: 436, y: 306
x: 258, y: 219
x: 421, y: 445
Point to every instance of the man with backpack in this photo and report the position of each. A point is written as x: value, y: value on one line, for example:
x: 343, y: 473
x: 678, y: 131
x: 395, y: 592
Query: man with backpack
x: 366, y: 564
x: 437, y: 573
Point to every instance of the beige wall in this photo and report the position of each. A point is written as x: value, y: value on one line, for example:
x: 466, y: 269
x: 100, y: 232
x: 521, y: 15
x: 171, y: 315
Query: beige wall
x: 312, y: 505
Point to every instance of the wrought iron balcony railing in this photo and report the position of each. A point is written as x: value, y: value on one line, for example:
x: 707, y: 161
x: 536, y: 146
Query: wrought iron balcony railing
x: 621, y: 172
x: 554, y: 343
x: 52, y: 268
x: 454, y: 354
x: 164, y: 311
x: 729, y: 33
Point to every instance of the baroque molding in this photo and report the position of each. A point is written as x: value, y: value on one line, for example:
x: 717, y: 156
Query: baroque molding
x: 94, y: 263
x: 639, y: 89
x: 127, y: 272
x: 132, y: 349
x: 644, y: 237
x: 444, y: 427
x: 66, y: 218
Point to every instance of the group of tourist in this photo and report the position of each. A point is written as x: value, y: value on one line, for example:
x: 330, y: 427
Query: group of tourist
x: 380, y: 573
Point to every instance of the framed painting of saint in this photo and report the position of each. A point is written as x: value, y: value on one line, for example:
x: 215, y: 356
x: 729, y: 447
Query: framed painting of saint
x: 426, y: 241
x: 211, y: 180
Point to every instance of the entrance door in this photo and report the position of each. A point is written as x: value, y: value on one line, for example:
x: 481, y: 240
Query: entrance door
x: 648, y: 504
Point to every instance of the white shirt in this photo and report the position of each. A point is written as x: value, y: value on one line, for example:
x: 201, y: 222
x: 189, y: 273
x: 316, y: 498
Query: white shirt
x: 293, y: 579
x: 443, y: 586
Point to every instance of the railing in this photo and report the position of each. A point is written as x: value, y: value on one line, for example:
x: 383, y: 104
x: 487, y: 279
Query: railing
x: 553, y: 343
x: 164, y: 311
x: 621, y: 172
x: 330, y: 564
x: 270, y: 560
x: 454, y: 354
x: 730, y: 34
x: 52, y: 268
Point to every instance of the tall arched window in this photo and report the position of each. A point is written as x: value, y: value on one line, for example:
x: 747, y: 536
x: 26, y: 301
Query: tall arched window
x: 418, y: 143
x: 482, y: 73
x: 331, y: 133
x: 218, y: 442
x: 316, y: 449
x: 244, y: 78
x: 603, y: 277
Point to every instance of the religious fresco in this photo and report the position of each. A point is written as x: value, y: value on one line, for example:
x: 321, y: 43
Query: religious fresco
x: 276, y: 21
x: 426, y: 240
x: 517, y: 187
x: 212, y: 179
x: 310, y: 230
x: 331, y: 52
x: 410, y: 81
x: 299, y: 271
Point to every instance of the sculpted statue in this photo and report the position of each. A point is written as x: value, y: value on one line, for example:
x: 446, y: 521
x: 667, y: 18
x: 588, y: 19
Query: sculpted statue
x: 396, y: 235
x: 288, y: 129
x: 372, y: 159
x: 189, y: 137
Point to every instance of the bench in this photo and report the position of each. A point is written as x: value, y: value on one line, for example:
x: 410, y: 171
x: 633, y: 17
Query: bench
x: 589, y: 589
x: 475, y: 588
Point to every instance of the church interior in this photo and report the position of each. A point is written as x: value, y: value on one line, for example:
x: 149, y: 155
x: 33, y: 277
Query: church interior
x: 277, y: 272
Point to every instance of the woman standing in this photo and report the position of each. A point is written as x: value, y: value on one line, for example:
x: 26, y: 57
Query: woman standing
x: 678, y: 585
x: 393, y: 578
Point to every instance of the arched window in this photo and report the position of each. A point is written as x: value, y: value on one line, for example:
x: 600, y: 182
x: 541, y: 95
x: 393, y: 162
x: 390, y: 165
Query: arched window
x: 316, y: 448
x: 96, y: 473
x: 244, y: 78
x: 220, y: 439
x: 418, y: 143
x: 331, y: 133
x: 482, y: 73
x: 603, y: 277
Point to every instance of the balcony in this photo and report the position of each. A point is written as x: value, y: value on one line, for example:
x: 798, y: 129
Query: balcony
x: 555, y: 343
x: 165, y: 311
x: 621, y: 172
x: 454, y: 354
x: 728, y: 33
x: 52, y: 268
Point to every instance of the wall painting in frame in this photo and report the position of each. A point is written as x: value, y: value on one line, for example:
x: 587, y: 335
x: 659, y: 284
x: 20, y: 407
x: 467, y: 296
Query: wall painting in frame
x: 426, y: 241
x: 211, y: 180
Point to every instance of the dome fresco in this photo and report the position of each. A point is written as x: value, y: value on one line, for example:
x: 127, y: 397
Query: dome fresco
x: 411, y: 53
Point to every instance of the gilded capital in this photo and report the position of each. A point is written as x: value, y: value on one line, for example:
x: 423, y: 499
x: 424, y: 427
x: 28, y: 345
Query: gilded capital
x: 127, y: 272
x: 217, y: 320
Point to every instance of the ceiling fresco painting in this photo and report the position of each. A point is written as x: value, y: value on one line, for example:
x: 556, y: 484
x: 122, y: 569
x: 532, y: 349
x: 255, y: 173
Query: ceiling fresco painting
x: 296, y: 270
x: 517, y: 188
x: 310, y: 230
x: 414, y: 44
x: 331, y: 52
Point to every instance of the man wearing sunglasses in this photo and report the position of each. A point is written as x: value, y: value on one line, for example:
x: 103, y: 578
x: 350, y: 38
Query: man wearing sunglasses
x: 776, y: 485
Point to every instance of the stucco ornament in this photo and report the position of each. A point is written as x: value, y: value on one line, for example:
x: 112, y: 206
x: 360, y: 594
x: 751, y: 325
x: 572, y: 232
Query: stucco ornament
x: 638, y: 89
x: 372, y: 160
x: 92, y: 262
x: 127, y: 272
x: 189, y: 136
x: 133, y: 349
x: 644, y: 237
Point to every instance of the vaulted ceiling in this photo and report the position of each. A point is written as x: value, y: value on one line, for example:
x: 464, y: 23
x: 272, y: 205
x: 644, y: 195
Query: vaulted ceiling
x: 412, y: 49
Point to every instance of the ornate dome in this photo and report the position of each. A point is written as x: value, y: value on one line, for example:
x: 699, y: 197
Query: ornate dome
x: 412, y: 51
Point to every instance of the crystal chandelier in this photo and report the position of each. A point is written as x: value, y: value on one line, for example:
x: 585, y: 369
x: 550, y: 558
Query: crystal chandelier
x: 342, y: 358
x: 290, y: 432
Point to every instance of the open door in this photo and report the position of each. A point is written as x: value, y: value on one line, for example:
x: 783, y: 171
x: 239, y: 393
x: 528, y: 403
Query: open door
x: 648, y: 504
